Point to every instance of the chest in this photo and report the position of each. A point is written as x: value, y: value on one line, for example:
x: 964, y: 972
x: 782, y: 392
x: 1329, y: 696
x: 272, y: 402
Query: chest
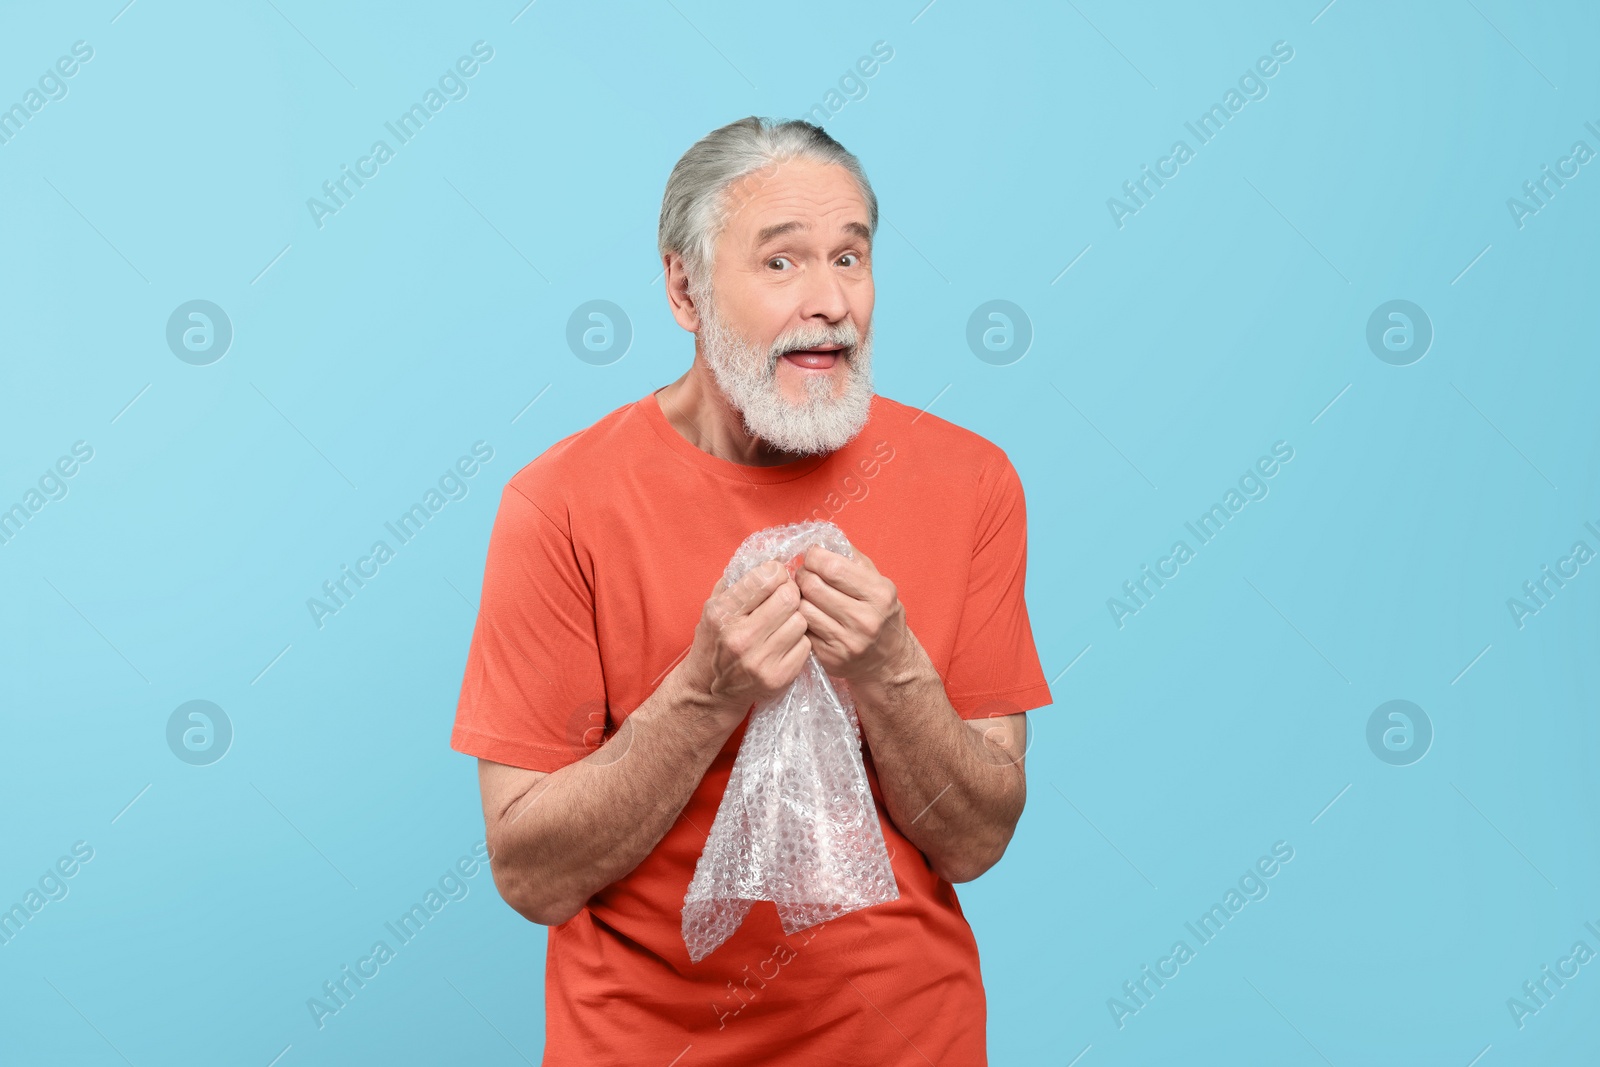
x: 664, y: 552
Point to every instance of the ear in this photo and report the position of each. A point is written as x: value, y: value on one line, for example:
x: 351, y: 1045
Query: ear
x: 683, y: 307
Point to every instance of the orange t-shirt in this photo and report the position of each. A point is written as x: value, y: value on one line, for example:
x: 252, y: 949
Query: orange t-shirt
x: 602, y: 554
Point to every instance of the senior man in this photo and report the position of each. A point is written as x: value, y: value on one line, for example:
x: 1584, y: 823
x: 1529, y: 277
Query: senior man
x: 610, y: 672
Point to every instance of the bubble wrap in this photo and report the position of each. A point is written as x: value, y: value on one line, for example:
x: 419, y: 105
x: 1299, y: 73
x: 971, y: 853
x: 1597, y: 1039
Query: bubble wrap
x: 797, y: 825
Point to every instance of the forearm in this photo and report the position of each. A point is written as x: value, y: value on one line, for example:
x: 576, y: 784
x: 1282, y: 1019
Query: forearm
x: 956, y: 795
x: 587, y: 825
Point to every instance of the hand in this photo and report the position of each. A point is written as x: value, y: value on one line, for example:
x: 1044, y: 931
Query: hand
x: 853, y: 616
x: 750, y: 642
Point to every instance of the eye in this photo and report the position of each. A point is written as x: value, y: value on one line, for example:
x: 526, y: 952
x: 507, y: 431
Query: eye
x: 780, y: 259
x: 851, y: 257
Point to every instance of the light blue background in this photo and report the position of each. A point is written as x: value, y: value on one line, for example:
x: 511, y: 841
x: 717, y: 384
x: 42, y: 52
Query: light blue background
x: 1228, y: 314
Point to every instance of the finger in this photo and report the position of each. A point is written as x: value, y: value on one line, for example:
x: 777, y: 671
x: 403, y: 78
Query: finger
x: 820, y: 624
x: 792, y: 660
x: 846, y: 614
x: 858, y: 556
x: 828, y: 639
x: 784, y: 636
x: 848, y: 575
x: 750, y: 591
x: 779, y: 648
x: 771, y: 614
x: 838, y: 605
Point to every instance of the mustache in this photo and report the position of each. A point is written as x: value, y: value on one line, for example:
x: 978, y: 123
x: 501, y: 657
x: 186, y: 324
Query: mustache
x: 813, y: 335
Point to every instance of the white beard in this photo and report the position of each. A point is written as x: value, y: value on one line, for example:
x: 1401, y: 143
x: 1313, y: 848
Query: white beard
x: 748, y: 377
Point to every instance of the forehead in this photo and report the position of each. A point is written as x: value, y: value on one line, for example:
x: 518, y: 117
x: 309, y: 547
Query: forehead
x: 817, y: 195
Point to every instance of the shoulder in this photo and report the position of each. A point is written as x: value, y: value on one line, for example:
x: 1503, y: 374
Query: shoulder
x: 962, y: 455
x: 577, y: 464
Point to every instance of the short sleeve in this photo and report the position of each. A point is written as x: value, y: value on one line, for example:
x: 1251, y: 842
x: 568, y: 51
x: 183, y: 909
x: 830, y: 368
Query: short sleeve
x: 533, y: 694
x: 994, y: 666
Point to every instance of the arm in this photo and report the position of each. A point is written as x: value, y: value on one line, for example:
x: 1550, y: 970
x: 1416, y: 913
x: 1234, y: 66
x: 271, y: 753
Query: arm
x: 954, y: 787
x: 558, y: 838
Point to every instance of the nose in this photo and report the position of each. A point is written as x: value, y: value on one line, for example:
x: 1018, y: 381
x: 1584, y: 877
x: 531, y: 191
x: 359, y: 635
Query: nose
x: 823, y: 298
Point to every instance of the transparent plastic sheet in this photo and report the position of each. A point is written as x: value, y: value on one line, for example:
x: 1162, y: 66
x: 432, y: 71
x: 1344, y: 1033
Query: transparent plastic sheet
x: 797, y: 825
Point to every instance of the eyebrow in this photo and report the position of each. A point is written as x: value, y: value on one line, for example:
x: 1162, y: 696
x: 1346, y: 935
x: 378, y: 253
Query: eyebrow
x: 767, y: 233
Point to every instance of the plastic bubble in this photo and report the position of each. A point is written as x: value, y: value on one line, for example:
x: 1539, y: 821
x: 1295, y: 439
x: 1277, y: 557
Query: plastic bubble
x: 797, y: 824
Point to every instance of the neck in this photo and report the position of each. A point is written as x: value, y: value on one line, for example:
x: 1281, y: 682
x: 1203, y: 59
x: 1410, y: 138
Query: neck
x: 698, y: 410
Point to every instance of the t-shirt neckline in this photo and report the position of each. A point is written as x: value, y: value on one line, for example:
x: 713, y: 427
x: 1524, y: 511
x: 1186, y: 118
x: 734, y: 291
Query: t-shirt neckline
x: 723, y: 468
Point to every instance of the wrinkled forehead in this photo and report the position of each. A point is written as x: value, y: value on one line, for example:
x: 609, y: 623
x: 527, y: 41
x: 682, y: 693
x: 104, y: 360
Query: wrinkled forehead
x: 797, y: 197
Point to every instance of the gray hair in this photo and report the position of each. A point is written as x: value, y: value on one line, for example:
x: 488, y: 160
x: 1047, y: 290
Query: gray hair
x: 695, y: 207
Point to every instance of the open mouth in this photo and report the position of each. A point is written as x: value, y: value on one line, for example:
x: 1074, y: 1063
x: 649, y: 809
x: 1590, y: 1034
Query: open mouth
x: 819, y: 358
